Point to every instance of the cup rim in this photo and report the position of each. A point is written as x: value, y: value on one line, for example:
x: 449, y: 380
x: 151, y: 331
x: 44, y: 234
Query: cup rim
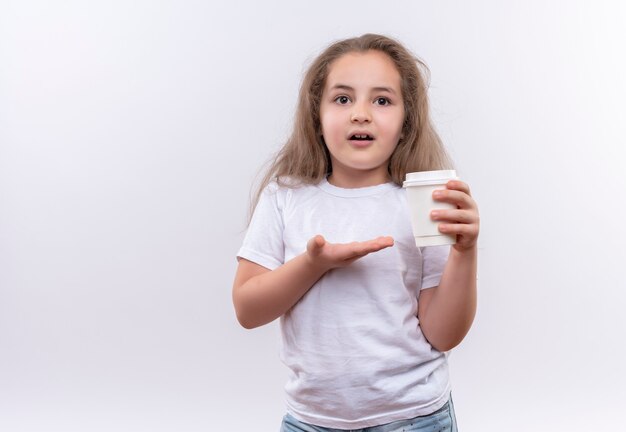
x: 420, y: 178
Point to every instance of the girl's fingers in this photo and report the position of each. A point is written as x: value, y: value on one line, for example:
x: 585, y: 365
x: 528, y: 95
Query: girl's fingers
x: 355, y: 250
x: 458, y: 185
x: 319, y: 241
x: 345, y: 253
x: 462, y: 222
x: 315, y: 244
x: 465, y: 230
x: 384, y: 242
x: 459, y: 198
x: 459, y: 216
x: 363, y: 248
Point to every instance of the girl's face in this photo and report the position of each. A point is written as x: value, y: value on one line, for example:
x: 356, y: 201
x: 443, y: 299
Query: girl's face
x: 361, y: 114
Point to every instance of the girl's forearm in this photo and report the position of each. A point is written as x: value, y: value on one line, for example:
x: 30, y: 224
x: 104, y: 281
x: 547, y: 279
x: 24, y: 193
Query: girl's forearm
x: 267, y: 296
x: 452, y: 308
x: 260, y: 295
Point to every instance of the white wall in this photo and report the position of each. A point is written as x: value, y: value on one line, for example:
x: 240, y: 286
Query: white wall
x: 130, y: 133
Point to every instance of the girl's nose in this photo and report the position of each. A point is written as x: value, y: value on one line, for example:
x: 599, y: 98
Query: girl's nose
x: 360, y: 114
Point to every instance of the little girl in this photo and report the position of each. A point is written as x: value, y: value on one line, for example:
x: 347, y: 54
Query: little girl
x: 366, y: 317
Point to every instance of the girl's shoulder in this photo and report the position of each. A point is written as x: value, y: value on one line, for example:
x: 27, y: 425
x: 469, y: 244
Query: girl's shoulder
x: 289, y: 185
x: 284, y: 189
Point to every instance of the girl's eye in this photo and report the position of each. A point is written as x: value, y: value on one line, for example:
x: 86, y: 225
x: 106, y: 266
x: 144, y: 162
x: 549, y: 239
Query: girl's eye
x: 342, y: 100
x: 382, y: 101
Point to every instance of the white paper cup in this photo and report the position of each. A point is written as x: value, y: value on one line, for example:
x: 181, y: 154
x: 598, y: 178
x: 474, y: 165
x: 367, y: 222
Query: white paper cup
x: 419, y: 189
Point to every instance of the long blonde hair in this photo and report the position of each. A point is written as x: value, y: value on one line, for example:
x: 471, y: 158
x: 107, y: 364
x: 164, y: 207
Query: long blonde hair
x: 304, y: 159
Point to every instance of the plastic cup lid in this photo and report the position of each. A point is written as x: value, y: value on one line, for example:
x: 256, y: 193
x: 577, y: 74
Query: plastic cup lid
x: 429, y: 177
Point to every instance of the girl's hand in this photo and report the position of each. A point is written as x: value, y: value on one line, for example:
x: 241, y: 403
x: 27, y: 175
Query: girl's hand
x: 332, y: 255
x: 462, y: 222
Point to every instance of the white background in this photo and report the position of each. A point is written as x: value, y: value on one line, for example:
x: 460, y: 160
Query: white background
x: 130, y: 135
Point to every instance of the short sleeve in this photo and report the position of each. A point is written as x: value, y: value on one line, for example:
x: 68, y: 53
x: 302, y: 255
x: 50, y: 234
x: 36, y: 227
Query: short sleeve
x: 434, y: 261
x: 263, y: 242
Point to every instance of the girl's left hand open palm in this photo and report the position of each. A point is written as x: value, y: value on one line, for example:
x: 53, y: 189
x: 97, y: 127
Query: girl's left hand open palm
x: 463, y: 221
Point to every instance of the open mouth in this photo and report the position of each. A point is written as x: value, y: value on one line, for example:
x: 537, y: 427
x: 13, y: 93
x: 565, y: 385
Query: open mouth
x: 361, y: 137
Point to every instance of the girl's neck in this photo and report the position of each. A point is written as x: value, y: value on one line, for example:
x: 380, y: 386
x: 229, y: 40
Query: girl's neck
x: 358, y: 180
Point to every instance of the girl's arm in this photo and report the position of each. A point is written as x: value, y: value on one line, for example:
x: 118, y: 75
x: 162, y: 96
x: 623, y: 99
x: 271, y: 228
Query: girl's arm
x: 447, y: 311
x: 261, y: 295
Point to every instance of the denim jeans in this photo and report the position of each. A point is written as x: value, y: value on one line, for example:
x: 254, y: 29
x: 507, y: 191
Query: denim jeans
x: 442, y: 420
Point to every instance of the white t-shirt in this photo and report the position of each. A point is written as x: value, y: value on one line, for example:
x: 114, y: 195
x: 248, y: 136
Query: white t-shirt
x: 356, y: 354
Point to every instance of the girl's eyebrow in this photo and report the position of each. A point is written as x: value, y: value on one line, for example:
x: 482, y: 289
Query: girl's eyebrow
x: 377, y: 89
